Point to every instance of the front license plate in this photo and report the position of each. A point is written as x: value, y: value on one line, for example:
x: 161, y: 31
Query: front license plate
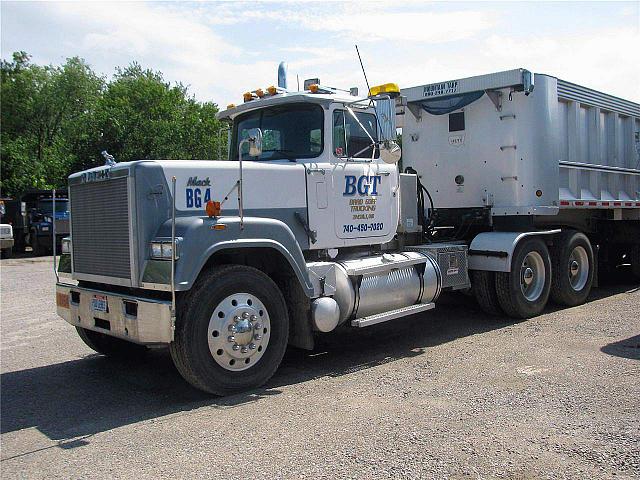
x: 99, y: 303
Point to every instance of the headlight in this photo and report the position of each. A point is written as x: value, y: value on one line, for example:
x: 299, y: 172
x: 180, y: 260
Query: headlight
x: 66, y: 246
x: 162, y: 250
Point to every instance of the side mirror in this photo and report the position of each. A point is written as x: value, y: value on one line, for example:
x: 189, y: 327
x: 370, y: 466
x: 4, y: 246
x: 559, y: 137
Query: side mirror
x: 254, y: 139
x: 386, y: 112
x: 390, y: 152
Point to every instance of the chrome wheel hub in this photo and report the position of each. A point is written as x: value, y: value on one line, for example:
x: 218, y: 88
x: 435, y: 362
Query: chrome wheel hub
x: 532, y: 276
x: 578, y: 268
x: 238, y: 331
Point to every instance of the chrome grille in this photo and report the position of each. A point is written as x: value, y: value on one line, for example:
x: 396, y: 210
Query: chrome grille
x: 100, y: 228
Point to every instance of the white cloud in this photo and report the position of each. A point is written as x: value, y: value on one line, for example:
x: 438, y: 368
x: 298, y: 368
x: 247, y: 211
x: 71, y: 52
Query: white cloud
x: 223, y: 49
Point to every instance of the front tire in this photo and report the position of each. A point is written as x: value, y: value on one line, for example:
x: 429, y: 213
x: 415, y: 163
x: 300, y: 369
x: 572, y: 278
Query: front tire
x: 523, y: 292
x: 231, y: 331
x: 572, y: 269
x: 111, y: 346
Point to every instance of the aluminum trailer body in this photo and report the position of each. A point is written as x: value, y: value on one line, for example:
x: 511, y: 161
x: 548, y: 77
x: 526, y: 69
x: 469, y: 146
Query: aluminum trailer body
x: 555, y: 147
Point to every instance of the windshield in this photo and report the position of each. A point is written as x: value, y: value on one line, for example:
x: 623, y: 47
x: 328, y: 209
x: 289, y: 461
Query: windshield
x: 46, y: 206
x: 288, y: 132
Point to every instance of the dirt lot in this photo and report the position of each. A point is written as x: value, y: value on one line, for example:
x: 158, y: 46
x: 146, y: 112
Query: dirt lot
x: 448, y: 394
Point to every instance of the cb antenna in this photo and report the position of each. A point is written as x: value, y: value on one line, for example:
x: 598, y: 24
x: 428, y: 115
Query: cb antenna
x: 363, y: 72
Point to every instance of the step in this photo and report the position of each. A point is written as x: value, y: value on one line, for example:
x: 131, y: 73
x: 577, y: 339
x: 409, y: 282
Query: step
x: 392, y: 314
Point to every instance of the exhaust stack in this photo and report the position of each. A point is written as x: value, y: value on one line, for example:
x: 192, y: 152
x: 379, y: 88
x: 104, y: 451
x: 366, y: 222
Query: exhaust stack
x: 282, y: 75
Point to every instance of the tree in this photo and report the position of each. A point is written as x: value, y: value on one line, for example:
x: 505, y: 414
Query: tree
x: 42, y: 114
x: 57, y: 119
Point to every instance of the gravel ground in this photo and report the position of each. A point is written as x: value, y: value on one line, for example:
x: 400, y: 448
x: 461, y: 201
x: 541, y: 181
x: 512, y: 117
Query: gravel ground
x: 451, y: 393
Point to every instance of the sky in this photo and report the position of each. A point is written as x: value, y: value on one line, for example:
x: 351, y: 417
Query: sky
x: 222, y: 49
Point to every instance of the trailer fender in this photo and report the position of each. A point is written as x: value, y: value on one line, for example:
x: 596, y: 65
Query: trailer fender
x: 199, y: 240
x: 492, y: 251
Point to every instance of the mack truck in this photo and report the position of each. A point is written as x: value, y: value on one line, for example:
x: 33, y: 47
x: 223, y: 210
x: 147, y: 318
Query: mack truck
x: 514, y: 187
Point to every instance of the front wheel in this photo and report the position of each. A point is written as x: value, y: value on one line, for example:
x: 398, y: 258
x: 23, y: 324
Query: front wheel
x: 232, y: 331
x: 523, y: 292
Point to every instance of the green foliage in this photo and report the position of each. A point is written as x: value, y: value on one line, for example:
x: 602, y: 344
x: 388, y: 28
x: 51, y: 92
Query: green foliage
x: 57, y: 120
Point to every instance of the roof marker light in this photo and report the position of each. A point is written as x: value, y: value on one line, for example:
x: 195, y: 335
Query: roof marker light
x: 247, y: 96
x: 260, y: 93
x: 390, y: 89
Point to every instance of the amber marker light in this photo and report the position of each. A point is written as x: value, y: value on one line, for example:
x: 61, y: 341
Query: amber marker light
x: 272, y: 90
x: 218, y: 226
x: 260, y: 93
x: 212, y: 208
x: 230, y: 106
x: 247, y: 96
x: 313, y: 88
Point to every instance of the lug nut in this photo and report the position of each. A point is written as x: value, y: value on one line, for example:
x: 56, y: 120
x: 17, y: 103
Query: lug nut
x: 231, y: 339
x: 236, y: 319
x: 245, y: 315
x: 253, y: 318
x: 257, y: 326
x: 232, y: 328
x: 252, y: 346
x: 235, y: 347
x: 244, y: 349
x: 257, y: 336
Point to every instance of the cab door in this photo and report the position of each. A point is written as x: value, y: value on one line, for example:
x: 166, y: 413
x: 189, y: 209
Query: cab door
x: 353, y: 197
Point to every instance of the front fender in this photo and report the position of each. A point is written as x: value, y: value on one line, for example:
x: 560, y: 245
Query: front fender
x: 200, y: 241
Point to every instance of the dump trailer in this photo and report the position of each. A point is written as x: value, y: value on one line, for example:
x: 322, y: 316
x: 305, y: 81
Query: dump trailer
x: 513, y: 186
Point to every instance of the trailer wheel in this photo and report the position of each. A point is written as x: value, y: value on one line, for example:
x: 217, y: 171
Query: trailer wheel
x: 483, y: 285
x: 232, y: 331
x: 110, y: 346
x: 523, y: 292
x: 572, y: 266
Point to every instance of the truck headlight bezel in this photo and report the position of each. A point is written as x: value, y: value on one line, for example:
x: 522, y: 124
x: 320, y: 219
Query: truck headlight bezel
x: 162, y: 249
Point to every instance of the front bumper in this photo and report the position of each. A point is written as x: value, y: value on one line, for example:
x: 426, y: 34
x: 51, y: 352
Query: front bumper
x: 6, y: 243
x: 136, y: 319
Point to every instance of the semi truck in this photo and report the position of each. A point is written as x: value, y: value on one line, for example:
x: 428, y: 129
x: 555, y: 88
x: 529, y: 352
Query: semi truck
x: 514, y: 186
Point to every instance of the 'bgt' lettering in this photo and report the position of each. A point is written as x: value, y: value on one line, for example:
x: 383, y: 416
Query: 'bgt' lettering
x: 364, y: 185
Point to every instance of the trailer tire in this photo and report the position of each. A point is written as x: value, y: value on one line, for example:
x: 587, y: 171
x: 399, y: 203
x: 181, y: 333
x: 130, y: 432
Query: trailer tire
x: 483, y: 285
x: 213, y: 357
x: 571, y: 282
x: 523, y: 292
x: 111, y: 346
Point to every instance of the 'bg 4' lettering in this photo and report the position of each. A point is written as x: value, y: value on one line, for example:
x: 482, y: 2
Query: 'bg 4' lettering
x: 364, y: 185
x: 195, y: 198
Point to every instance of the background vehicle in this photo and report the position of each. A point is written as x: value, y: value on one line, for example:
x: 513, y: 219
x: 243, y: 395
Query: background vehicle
x: 6, y: 240
x: 522, y: 180
x: 31, y: 217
